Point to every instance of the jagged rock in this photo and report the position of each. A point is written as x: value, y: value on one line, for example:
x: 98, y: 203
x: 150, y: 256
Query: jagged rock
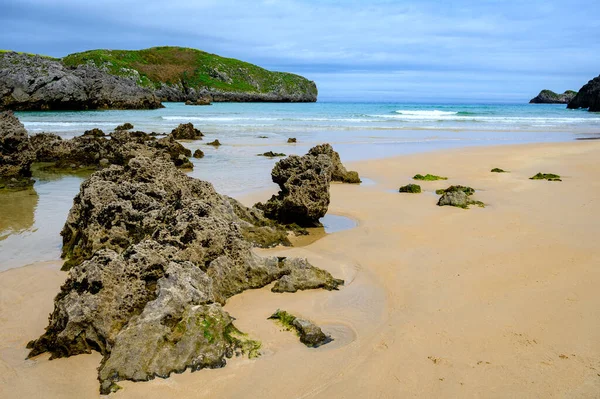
x: 550, y: 97
x: 32, y: 82
x: 15, y: 153
x: 187, y: 131
x: 89, y: 150
x: 200, y: 101
x: 153, y: 256
x: 124, y: 126
x: 97, y: 132
x: 215, y: 143
x: 303, y: 196
x: 304, y: 190
x: 339, y: 172
x: 291, y: 140
x: 310, y: 334
x: 304, y: 276
x: 458, y: 196
x: 588, y: 96
x: 198, y: 154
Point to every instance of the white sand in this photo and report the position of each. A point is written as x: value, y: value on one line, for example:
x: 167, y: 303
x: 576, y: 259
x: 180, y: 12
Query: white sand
x: 439, y: 301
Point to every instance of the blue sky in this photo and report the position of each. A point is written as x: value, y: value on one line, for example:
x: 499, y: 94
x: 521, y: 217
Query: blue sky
x: 496, y: 51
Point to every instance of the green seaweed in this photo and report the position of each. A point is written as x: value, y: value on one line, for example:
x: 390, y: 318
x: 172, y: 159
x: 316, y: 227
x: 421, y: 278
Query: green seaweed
x: 546, y: 176
x: 467, y: 190
x: 498, y: 170
x: 285, y: 319
x: 428, y: 177
x: 410, y: 188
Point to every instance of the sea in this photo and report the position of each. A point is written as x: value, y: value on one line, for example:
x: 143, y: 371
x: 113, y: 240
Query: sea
x: 30, y: 222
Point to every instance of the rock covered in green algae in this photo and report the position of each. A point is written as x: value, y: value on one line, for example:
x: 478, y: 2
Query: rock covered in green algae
x: 546, y: 176
x: 498, y: 170
x: 428, y: 177
x: 410, y: 188
x: 303, y: 196
x: 153, y: 255
x: 187, y: 131
x: 310, y: 334
x: 15, y: 154
x: 458, y: 196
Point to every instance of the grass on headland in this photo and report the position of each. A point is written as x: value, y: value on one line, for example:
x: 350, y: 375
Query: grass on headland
x: 546, y: 176
x: 428, y: 177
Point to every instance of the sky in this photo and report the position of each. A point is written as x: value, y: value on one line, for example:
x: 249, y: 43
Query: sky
x: 405, y: 51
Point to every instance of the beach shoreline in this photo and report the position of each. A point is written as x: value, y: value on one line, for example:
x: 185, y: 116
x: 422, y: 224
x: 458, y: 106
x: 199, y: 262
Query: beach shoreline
x: 496, y: 301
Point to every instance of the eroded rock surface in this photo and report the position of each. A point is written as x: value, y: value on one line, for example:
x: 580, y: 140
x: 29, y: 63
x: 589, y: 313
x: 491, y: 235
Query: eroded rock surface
x: 588, y: 96
x: 153, y: 255
x: 32, y: 82
x: 15, y: 153
x: 310, y: 334
x: 186, y: 131
x: 304, y: 186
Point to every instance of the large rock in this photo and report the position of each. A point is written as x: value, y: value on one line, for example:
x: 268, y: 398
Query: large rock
x: 153, y: 255
x: 303, y: 196
x: 550, y: 97
x: 93, y: 150
x: 588, y: 96
x: 310, y: 334
x: 186, y: 131
x: 339, y: 172
x: 15, y: 153
x: 32, y: 82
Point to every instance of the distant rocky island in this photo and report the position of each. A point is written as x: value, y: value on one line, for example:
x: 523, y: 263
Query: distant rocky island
x: 588, y: 96
x: 141, y: 79
x: 550, y: 97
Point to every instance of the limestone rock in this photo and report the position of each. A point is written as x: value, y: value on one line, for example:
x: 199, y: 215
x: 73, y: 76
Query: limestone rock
x: 198, y: 154
x: 186, y: 131
x: 550, y: 97
x: 339, y: 172
x: 15, y: 153
x: 588, y: 96
x: 153, y: 255
x: 32, y: 82
x: 310, y: 334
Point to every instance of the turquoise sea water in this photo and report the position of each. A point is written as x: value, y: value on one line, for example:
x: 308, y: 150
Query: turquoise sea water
x: 357, y: 131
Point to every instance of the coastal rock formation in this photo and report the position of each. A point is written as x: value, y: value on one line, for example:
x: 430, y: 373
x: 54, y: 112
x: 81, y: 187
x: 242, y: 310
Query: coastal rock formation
x: 124, y: 126
x: 93, y: 150
x: 214, y: 143
x: 15, y: 153
x: 187, y: 131
x: 303, y: 196
x: 310, y: 334
x: 410, y: 188
x: 153, y: 255
x: 458, y: 196
x: 198, y: 154
x: 201, y: 101
x: 550, y: 97
x: 588, y: 96
x: 33, y: 82
x: 339, y: 172
x: 198, y: 75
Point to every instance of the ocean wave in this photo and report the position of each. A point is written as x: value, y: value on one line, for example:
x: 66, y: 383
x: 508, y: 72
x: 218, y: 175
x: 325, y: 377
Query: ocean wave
x: 66, y: 124
x: 431, y: 113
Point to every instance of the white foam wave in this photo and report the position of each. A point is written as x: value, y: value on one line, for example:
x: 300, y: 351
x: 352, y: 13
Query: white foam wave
x: 425, y: 113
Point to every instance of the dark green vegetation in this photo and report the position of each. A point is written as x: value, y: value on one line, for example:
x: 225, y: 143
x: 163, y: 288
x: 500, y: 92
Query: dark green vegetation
x: 271, y: 154
x: 465, y: 189
x: 546, y: 176
x: 192, y: 68
x: 285, y: 319
x: 458, y: 196
x: 498, y: 170
x: 550, y: 97
x: 428, y: 177
x: 410, y: 188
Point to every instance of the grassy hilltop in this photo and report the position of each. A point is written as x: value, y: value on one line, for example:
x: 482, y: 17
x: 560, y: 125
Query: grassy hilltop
x: 189, y: 68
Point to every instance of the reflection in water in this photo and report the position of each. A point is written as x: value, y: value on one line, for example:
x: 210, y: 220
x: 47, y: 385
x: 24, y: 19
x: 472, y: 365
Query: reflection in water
x: 30, y: 223
x: 331, y: 224
x: 16, y: 215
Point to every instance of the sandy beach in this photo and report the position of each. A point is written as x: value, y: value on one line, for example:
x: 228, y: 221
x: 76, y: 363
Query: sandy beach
x: 492, y: 302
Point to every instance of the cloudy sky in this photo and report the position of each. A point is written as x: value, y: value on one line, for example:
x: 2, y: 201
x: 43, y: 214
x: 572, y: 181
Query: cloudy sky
x: 419, y: 50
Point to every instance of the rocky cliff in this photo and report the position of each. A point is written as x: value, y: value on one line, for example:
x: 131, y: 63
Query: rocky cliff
x: 184, y: 74
x: 588, y: 96
x: 550, y: 97
x: 33, y: 82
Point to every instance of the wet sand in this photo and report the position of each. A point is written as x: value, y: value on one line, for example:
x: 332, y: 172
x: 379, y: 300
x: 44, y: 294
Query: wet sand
x: 439, y: 301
